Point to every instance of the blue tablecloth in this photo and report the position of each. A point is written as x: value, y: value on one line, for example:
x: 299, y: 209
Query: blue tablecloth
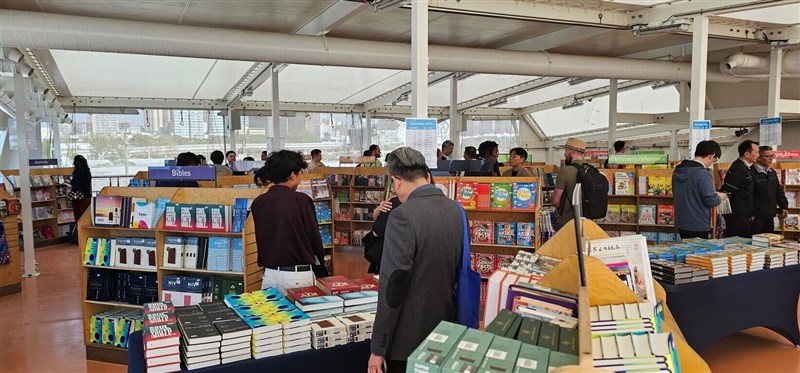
x: 351, y: 357
x: 710, y: 310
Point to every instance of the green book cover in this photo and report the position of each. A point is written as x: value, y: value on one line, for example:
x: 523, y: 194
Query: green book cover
x: 529, y: 330
x: 559, y: 359
x: 532, y: 359
x: 431, y: 354
x: 502, y: 323
x: 469, y: 352
x: 568, y: 341
x: 501, y: 356
x: 501, y: 196
x: 231, y: 287
x: 548, y: 337
x: 514, y: 328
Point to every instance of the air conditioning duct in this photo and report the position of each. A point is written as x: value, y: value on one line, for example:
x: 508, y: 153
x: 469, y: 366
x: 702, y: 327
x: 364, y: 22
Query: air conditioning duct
x: 756, y: 65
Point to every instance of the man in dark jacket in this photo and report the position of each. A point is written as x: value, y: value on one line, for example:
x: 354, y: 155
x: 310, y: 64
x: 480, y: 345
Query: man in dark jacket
x: 767, y: 193
x: 739, y: 186
x: 694, y: 193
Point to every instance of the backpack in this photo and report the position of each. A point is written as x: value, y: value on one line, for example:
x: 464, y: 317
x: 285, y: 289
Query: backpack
x: 594, y: 189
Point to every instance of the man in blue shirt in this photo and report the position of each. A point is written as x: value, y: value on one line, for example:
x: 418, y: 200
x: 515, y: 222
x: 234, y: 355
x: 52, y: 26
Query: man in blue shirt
x: 693, y: 190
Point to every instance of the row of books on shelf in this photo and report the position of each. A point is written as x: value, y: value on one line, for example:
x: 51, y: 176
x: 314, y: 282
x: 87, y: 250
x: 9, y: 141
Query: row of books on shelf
x: 355, y: 214
x: 41, y: 180
x: 63, y: 203
x: 38, y: 195
x: 485, y: 196
x: 66, y: 216
x: 121, y: 252
x: 346, y: 237
x: 502, y: 233
x: 653, y: 238
x: 317, y: 189
x: 126, y: 212
x: 113, y: 327
x: 357, y: 180
x: 641, y: 214
x: 207, y: 218
x: 42, y: 212
x: 323, y: 211
x: 209, y: 253
x: 486, y: 263
x: 62, y: 190
x: 788, y: 176
x: 184, y: 290
x: 129, y: 287
x: 625, y: 184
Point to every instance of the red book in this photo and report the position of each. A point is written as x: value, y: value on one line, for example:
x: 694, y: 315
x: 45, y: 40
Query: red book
x: 366, y: 283
x: 157, y: 336
x: 484, y: 196
x: 303, y: 292
x: 466, y: 194
x: 158, y: 307
x: 157, y: 318
x: 335, y: 285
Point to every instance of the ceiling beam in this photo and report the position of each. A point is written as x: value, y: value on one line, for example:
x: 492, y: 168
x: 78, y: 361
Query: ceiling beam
x: 585, y: 95
x: 516, y: 90
x: 532, y: 11
x: 750, y: 113
x: 686, y: 9
x: 622, y: 132
x: 330, y: 18
x: 676, y: 51
x: 392, y: 95
x: 537, y: 130
x: 556, y: 39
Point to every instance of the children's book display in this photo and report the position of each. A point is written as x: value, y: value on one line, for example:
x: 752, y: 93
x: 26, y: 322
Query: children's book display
x: 51, y: 210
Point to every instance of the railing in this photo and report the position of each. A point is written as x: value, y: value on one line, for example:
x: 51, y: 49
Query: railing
x: 101, y: 181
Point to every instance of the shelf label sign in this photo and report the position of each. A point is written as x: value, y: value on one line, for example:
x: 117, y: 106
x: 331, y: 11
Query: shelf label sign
x: 43, y: 162
x: 186, y: 173
x: 637, y: 159
x: 421, y: 135
x: 701, y: 131
x: 770, y: 131
x: 787, y: 154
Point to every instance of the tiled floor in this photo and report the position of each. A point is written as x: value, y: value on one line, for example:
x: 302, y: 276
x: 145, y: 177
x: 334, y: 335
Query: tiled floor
x: 41, y: 329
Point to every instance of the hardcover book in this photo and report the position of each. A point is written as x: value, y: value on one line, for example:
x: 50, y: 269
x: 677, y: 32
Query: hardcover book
x: 237, y: 255
x: 526, y: 233
x: 186, y: 217
x: 467, y: 194
x: 201, y: 220
x: 792, y: 176
x: 219, y: 251
x: 142, y: 215
x: 107, y: 210
x: 483, y: 264
x: 366, y: 283
x: 296, y: 294
x: 647, y: 214
x: 334, y: 285
x: 523, y: 196
x: 483, y: 196
x: 171, y: 212
x: 500, y: 195
x: 162, y: 335
x: 666, y: 214
x: 506, y: 233
x: 624, y: 183
x: 627, y: 214
x: 324, y: 302
x: 482, y: 232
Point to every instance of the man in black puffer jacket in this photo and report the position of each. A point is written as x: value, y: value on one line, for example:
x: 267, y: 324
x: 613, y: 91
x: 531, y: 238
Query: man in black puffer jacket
x: 767, y: 193
x: 739, y: 186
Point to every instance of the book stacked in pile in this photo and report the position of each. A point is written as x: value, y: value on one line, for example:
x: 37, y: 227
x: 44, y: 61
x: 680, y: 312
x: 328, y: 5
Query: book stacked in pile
x: 755, y: 256
x: 773, y: 258
x: 716, y: 262
x: 114, y: 326
x: 161, y: 338
x: 677, y: 273
x: 790, y: 256
x: 327, y: 332
x: 737, y: 262
x: 767, y: 239
x: 278, y: 327
x: 314, y: 302
x: 630, y: 334
x: 335, y: 294
x: 358, y: 326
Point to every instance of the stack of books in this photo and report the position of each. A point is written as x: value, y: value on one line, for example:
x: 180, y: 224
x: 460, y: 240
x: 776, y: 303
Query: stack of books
x: 755, y: 258
x: 790, y: 256
x: 161, y: 338
x: 200, y: 340
x: 737, y: 262
x: 671, y: 272
x: 360, y: 301
x: 715, y: 262
x: 235, y: 334
x: 327, y: 332
x: 767, y: 239
x: 358, y: 326
x: 773, y: 258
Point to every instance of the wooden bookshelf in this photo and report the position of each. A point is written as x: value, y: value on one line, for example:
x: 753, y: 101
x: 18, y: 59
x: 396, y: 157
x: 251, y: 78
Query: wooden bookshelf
x: 790, y: 234
x: 53, y: 203
x: 101, y: 352
x: 11, y: 274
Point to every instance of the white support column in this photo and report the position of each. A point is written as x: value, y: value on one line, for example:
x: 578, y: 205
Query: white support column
x: 368, y: 127
x: 419, y: 58
x: 276, y: 114
x: 774, y: 94
x: 673, y: 145
x: 612, y: 114
x: 24, y: 175
x: 56, y: 138
x: 455, y: 119
x: 697, y: 105
x: 550, y: 156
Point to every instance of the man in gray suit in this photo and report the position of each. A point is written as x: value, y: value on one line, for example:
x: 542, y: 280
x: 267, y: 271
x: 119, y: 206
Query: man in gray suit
x: 421, y: 254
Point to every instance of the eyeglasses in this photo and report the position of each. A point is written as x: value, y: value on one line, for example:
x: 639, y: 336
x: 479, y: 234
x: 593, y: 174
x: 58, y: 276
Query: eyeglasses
x: 716, y: 159
x: 767, y: 156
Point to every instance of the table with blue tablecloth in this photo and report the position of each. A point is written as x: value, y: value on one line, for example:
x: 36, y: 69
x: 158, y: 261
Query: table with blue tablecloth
x: 348, y: 358
x: 710, y: 310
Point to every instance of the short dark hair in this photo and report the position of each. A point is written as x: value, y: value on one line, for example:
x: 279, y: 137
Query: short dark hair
x: 746, y: 146
x: 248, y: 159
x: 407, y: 164
x: 486, y: 148
x: 520, y: 152
x: 367, y: 152
x: 372, y: 148
x: 229, y: 153
x: 619, y: 145
x: 706, y: 148
x: 282, y: 163
x: 260, y: 178
x: 447, y: 143
x: 316, y: 152
x: 187, y: 159
x: 471, y: 152
x: 201, y: 158
x: 263, y: 152
x: 217, y: 157
x: 764, y: 148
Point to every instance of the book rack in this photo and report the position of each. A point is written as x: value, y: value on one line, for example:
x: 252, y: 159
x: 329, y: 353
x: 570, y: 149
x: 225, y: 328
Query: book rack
x: 86, y: 229
x: 56, y: 203
x: 11, y: 274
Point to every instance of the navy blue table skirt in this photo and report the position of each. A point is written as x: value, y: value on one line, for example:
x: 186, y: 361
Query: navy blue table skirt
x: 351, y: 357
x: 711, y: 310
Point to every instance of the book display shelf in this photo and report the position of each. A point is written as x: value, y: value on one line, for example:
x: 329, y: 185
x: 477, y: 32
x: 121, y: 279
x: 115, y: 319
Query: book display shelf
x: 10, y: 274
x: 86, y: 230
x: 52, y: 212
x: 790, y: 227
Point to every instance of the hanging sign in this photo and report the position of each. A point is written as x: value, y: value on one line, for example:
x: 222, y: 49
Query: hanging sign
x: 43, y: 162
x: 421, y: 135
x: 787, y: 154
x: 186, y: 173
x: 701, y: 131
x: 770, y: 131
x: 595, y: 153
x: 637, y: 159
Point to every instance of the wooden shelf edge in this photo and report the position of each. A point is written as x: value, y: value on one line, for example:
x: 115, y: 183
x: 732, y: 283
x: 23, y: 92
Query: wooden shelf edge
x: 111, y: 303
x: 149, y: 270
x: 106, y: 353
x: 203, y: 271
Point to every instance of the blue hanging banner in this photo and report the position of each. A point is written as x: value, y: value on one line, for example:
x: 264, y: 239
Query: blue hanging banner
x: 186, y: 173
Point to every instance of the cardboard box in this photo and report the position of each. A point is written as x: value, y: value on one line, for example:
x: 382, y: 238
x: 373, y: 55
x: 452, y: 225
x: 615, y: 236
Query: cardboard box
x: 532, y: 359
x: 501, y: 356
x: 431, y: 354
x: 469, y: 352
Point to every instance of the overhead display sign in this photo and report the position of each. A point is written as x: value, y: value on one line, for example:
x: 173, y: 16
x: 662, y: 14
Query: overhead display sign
x: 638, y: 159
x: 43, y: 162
x: 787, y: 154
x: 770, y: 131
x: 595, y: 153
x: 421, y: 135
x: 701, y: 131
x: 186, y: 173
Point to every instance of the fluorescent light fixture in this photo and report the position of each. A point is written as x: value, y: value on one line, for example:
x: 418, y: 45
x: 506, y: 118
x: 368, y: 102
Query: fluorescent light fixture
x: 643, y: 30
x: 663, y: 84
x: 572, y: 104
x: 498, y: 102
x: 383, y: 5
x: 401, y: 98
x: 576, y: 81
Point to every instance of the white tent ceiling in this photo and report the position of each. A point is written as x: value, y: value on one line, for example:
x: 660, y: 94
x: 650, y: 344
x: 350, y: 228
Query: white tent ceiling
x: 98, y: 75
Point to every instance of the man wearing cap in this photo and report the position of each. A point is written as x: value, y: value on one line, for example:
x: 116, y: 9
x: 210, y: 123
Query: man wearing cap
x: 422, y: 250
x: 566, y: 180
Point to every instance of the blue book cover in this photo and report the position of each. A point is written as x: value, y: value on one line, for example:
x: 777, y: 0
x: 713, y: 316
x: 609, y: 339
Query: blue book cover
x: 103, y: 252
x: 237, y: 254
x: 526, y: 233
x: 320, y: 303
x: 90, y: 251
x: 325, y: 234
x: 651, y: 237
x: 219, y: 249
x: 523, y: 195
x: 323, y: 210
x: 505, y: 233
x: 192, y: 284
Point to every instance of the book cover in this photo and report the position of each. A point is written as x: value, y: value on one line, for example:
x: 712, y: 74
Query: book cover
x: 334, y: 285
x: 173, y: 252
x: 627, y: 214
x: 526, y: 233
x: 142, y: 215
x: 483, y: 264
x: 624, y: 183
x: 171, y: 212
x: 503, y: 261
x: 506, y: 233
x: 359, y: 297
x: 482, y: 231
x: 523, y: 196
x: 219, y: 218
x: 200, y: 215
x: 323, y: 211
x: 163, y: 335
x: 190, y: 248
x: 366, y: 283
x: 467, y: 194
x: 296, y: 294
x: 790, y: 222
x: 647, y: 214
x: 320, y: 190
x: 500, y: 195
x: 107, y: 211
x: 320, y: 303
x: 791, y: 197
x: 186, y: 217
x: 791, y: 176
x: 326, y: 236
x: 643, y: 185
x: 483, y: 196
x: 613, y: 214
x: 219, y: 251
x: 666, y: 214
x: 629, y: 252
x: 237, y: 255
x: 160, y: 206
x: 90, y: 251
x: 233, y: 328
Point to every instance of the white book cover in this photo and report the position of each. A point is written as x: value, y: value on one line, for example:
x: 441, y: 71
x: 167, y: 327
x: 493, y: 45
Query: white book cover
x: 173, y: 252
x: 609, y: 344
x: 632, y: 310
x: 112, y: 252
x: 634, y: 249
x: 641, y: 345
x: 625, y: 346
x: 190, y: 252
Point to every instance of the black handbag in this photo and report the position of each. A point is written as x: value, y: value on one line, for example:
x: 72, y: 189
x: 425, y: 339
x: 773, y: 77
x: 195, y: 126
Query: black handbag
x: 75, y: 195
x: 373, y: 248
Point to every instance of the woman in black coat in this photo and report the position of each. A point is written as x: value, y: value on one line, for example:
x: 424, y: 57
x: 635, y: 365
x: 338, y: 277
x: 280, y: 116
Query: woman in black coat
x: 81, y: 182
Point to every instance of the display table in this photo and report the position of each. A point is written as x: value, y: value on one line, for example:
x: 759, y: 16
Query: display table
x: 351, y: 357
x: 710, y: 310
